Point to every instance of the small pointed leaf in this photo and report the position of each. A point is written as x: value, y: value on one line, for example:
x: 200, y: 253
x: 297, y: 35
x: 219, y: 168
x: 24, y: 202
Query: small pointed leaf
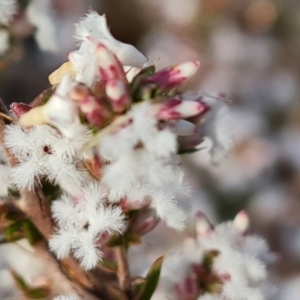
x: 12, y: 229
x: 32, y: 234
x: 37, y: 293
x: 152, y: 279
x: 19, y: 280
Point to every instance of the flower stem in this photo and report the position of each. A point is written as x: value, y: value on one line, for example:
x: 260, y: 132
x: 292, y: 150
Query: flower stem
x: 123, y: 269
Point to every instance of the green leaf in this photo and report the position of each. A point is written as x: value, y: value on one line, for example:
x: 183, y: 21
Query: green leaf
x: 12, y: 229
x: 187, y: 151
x: 37, y: 293
x: 19, y: 280
x: 32, y: 234
x: 152, y: 279
x: 12, y: 192
x: 21, y: 229
x: 137, y: 285
x: 46, y: 96
x: 14, y: 238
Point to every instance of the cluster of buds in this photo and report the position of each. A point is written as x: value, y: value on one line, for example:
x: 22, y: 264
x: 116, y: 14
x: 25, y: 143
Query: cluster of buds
x: 74, y: 108
x: 109, y: 133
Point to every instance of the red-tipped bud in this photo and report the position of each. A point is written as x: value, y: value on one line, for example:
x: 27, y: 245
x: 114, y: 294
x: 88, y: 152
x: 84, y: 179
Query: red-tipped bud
x: 18, y: 109
x: 94, y: 112
x: 174, y: 109
x: 109, y: 66
x: 173, y: 76
x: 127, y: 205
x: 144, y: 221
x: 118, y: 95
x: 188, y: 289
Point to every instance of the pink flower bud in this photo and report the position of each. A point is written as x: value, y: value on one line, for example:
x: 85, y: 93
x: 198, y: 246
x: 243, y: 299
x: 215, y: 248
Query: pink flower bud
x: 109, y: 66
x: 189, y: 289
x: 18, y: 109
x: 241, y: 222
x: 144, y: 221
x: 118, y: 95
x: 173, y: 76
x: 137, y: 204
x: 96, y: 113
x: 174, y: 109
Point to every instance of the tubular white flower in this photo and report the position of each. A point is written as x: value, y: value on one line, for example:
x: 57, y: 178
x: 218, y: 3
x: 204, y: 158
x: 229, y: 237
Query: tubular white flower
x: 7, y: 9
x: 60, y: 111
x: 84, y: 63
x: 94, y: 28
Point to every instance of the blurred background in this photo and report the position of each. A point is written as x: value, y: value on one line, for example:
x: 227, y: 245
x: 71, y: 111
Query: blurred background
x: 249, y: 50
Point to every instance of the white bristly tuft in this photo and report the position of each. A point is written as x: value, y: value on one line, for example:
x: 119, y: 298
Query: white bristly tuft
x: 81, y: 222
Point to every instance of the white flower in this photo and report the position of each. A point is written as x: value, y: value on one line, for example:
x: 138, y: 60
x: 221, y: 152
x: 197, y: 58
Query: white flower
x: 42, y: 151
x: 4, y: 41
x: 146, y: 170
x: 40, y: 14
x: 236, y: 259
x: 94, y: 28
x: 81, y: 222
x: 7, y: 9
x: 60, y: 111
